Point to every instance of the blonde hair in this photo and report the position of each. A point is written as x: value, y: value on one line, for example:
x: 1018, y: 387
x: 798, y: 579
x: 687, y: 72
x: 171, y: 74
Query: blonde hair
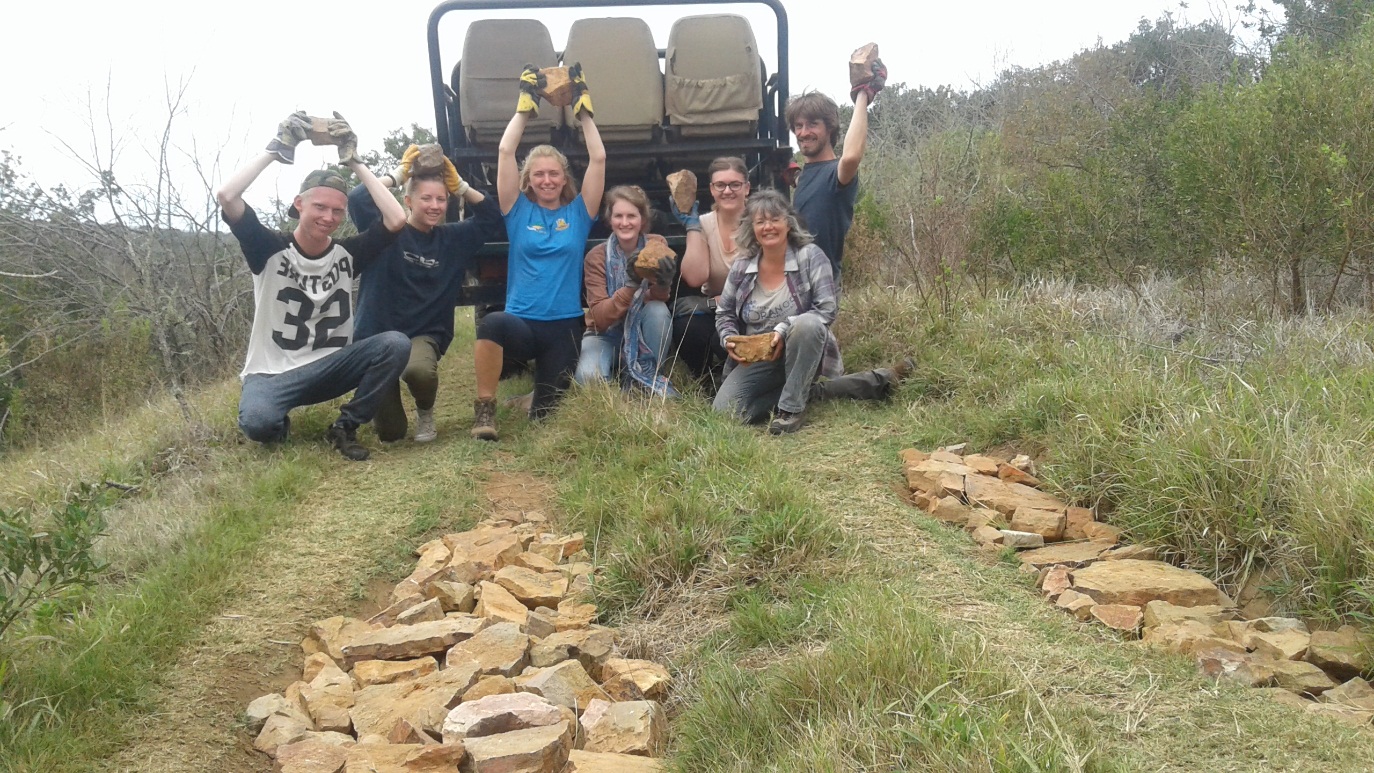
x: 632, y: 195
x: 569, y: 191
x: 770, y: 204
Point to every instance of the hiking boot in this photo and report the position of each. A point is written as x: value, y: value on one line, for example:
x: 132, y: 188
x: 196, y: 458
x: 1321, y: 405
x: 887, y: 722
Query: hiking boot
x: 424, y: 425
x: 344, y: 437
x: 896, y: 373
x: 785, y: 423
x: 522, y: 403
x: 484, y: 419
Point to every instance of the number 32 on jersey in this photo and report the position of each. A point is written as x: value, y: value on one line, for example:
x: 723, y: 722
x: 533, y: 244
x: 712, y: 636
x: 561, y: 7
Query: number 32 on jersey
x: 302, y: 329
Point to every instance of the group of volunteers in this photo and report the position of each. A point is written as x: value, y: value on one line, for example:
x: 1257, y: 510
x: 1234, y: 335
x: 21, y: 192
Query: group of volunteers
x: 755, y: 264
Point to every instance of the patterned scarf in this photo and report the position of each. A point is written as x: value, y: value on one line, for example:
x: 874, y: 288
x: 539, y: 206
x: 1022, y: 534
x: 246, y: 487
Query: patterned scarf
x: 636, y: 356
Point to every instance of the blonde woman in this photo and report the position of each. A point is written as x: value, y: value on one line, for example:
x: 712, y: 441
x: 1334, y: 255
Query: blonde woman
x: 547, y: 224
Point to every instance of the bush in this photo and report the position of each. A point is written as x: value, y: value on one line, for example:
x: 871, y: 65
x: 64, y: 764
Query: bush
x: 39, y: 564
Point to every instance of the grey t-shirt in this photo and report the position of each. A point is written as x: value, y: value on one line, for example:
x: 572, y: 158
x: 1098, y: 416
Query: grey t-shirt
x: 826, y: 208
x: 766, y: 308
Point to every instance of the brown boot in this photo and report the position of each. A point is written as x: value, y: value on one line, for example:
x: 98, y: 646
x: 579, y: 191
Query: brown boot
x: 484, y: 419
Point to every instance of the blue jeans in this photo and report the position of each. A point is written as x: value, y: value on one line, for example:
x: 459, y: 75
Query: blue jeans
x: 370, y: 366
x: 751, y: 392
x: 601, y: 351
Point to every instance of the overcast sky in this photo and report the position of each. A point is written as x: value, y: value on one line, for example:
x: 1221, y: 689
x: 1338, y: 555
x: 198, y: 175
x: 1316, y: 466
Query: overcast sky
x: 250, y: 62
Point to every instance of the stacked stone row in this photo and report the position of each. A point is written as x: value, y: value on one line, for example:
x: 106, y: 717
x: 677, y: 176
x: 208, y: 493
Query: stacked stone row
x: 1081, y: 567
x: 485, y: 660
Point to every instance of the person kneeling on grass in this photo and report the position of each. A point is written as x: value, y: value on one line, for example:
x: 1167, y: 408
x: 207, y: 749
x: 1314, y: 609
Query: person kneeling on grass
x: 628, y: 322
x: 414, y: 285
x: 300, y: 351
x: 782, y: 284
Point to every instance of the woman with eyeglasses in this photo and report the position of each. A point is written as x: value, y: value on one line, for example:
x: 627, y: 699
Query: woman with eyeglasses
x: 706, y: 260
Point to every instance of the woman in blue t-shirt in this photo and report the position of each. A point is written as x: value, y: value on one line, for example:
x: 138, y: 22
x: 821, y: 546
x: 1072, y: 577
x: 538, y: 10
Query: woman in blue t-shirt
x: 547, y: 224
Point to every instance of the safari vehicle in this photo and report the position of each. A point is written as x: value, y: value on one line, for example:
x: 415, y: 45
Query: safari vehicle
x: 708, y: 94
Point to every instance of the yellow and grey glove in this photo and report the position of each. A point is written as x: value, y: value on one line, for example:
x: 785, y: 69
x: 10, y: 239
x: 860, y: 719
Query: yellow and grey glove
x: 582, y: 99
x: 402, y: 172
x: 290, y: 133
x: 344, y: 137
x: 456, y: 184
x: 531, y: 81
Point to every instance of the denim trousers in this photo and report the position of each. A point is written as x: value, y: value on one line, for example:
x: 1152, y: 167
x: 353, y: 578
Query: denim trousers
x: 601, y: 351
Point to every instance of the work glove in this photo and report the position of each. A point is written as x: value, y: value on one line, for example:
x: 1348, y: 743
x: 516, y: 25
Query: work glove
x: 691, y: 221
x: 531, y: 81
x: 402, y: 172
x: 874, y: 84
x: 632, y: 279
x: 582, y: 99
x: 666, y: 274
x: 344, y: 137
x: 455, y: 182
x: 290, y: 133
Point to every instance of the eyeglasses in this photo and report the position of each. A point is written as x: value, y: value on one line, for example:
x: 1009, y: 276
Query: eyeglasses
x: 734, y: 185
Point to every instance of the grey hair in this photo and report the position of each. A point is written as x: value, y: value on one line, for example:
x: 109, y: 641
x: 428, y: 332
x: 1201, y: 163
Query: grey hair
x: 771, y: 204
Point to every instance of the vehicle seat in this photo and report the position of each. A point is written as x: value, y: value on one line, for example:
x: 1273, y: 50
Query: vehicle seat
x: 620, y: 61
x: 494, y: 53
x: 713, y: 86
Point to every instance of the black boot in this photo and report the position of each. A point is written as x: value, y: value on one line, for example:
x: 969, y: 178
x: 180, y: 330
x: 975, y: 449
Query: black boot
x: 344, y: 437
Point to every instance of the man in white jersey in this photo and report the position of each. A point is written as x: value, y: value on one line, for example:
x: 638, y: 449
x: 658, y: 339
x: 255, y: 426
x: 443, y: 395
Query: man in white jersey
x: 301, y: 350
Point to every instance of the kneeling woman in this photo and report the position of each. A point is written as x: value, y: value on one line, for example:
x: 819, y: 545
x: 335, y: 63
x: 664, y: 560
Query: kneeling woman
x: 547, y: 224
x: 628, y: 322
x: 781, y: 285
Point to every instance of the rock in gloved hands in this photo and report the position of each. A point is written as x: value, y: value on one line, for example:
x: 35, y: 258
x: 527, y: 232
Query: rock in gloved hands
x: 873, y: 85
x: 403, y: 171
x: 345, y: 138
x: 666, y: 273
x: 290, y: 133
x: 632, y: 277
x: 582, y: 99
x: 691, y: 221
x: 531, y: 81
x: 454, y: 181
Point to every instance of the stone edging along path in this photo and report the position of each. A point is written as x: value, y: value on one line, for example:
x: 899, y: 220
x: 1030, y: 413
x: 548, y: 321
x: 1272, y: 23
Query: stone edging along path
x: 486, y: 660
x: 1081, y: 567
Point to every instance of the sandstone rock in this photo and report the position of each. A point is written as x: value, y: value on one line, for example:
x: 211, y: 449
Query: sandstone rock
x: 1355, y: 693
x: 484, y: 550
x: 1005, y: 497
x: 452, y: 596
x: 532, y: 588
x: 1075, y: 518
x: 501, y: 649
x: 954, y: 448
x: 589, y: 646
x: 1343, y: 714
x: 1137, y: 583
x: 424, y: 701
x: 310, y: 756
x: 944, y: 456
x: 910, y: 456
x: 408, y: 642
x: 566, y: 684
x: 923, y: 501
x: 404, y: 758
x: 370, y: 672
x: 405, y: 732
x: 1140, y: 552
x: 1189, y: 637
x: 1162, y: 612
x: 983, y: 465
x: 499, y: 714
x: 1021, y: 539
x: 541, y: 622
x: 266, y: 706
x: 489, y: 685
x: 652, y: 679
x: 1075, y: 603
x: 621, y: 689
x: 329, y: 636
x: 1217, y: 662
x: 951, y: 510
x: 755, y: 348
x: 682, y: 186
x: 1023, y: 463
x: 1047, y: 523
x: 940, y: 478
x: 638, y: 727
x: 1056, y: 580
x: 1280, y: 695
x: 333, y: 739
x: 558, y: 86
x: 328, y: 697
x: 1073, y: 554
x: 574, y: 614
x: 984, y: 517
x: 535, y: 562
x: 424, y: 612
x: 316, y: 663
x: 1300, y: 677
x: 280, y: 730
x: 1102, y: 532
x: 1122, y: 617
x: 987, y: 535
x: 1013, y: 475
x: 536, y: 750
x: 1345, y: 652
x: 498, y: 605
x: 1279, y: 645
x: 1275, y: 624
x: 602, y: 762
x: 461, y: 573
x: 388, y: 616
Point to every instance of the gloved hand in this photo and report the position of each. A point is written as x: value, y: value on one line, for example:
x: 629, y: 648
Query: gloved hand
x: 531, y: 81
x: 402, y: 172
x: 632, y: 279
x: 290, y: 133
x: 666, y: 274
x: 691, y: 221
x: 345, y: 138
x: 874, y: 84
x: 582, y: 99
x: 455, y: 182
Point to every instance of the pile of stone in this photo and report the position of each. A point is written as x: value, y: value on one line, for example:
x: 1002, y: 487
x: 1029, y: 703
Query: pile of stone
x: 1081, y: 567
x: 486, y: 660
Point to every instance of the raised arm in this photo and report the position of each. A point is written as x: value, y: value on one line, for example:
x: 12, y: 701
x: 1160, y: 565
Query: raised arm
x: 594, y: 181
x: 856, y: 139
x: 393, y: 215
x: 230, y: 194
x: 507, y: 171
x: 696, y: 258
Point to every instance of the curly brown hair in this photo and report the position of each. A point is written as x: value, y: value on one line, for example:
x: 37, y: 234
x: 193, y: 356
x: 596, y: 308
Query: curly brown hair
x: 814, y: 106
